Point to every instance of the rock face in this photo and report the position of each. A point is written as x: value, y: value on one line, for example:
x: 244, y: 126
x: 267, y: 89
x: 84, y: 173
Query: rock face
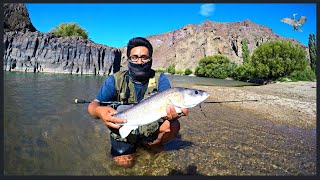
x: 16, y: 17
x: 186, y: 46
x: 29, y: 50
x: 26, y: 49
x: 46, y: 52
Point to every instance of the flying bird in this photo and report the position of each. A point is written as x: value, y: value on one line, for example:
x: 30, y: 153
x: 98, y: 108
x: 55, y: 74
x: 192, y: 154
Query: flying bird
x: 295, y: 23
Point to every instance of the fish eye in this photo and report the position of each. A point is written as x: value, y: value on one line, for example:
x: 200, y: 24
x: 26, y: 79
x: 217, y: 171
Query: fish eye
x: 196, y: 92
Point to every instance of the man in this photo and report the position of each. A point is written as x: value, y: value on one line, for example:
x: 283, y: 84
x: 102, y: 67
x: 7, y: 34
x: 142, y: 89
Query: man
x: 132, y: 86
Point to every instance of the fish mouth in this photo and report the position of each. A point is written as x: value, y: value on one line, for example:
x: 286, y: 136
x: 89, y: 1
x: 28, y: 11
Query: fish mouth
x: 201, y: 100
x: 206, y: 96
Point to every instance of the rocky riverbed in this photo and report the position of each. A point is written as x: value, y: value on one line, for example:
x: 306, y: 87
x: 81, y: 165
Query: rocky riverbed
x: 289, y: 103
x: 275, y: 135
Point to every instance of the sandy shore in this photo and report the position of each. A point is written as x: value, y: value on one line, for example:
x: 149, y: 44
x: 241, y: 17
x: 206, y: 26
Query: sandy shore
x: 286, y: 103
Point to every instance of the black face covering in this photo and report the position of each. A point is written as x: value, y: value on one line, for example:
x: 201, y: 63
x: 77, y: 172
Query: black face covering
x: 140, y: 73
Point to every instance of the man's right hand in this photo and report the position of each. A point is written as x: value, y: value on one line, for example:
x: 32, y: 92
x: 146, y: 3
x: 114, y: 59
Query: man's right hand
x: 105, y: 114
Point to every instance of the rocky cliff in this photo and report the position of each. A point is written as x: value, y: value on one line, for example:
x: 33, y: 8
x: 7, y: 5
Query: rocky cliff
x: 16, y: 17
x: 26, y: 49
x: 29, y: 50
x: 186, y: 46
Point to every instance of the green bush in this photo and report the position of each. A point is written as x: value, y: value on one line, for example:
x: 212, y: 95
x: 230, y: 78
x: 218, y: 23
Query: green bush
x: 276, y: 59
x: 306, y: 75
x: 199, y: 71
x: 243, y: 72
x: 180, y: 72
x: 188, y: 71
x: 70, y: 29
x: 161, y: 70
x: 231, y: 68
x: 216, y: 66
x: 171, y: 69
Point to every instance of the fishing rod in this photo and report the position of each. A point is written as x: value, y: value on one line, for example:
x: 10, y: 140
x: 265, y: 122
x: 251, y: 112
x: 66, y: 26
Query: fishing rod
x: 232, y: 101
x: 113, y: 104
x: 82, y: 101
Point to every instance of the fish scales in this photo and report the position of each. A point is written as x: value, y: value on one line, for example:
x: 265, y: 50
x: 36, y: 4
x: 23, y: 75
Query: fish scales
x: 154, y: 107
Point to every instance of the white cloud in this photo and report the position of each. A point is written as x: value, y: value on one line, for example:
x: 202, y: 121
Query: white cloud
x: 207, y: 9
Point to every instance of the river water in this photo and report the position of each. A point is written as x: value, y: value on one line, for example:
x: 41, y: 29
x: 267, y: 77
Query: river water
x: 46, y: 133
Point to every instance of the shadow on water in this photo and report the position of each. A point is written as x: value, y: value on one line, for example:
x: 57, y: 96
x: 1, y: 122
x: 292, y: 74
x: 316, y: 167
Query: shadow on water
x: 190, y: 170
x: 177, y: 143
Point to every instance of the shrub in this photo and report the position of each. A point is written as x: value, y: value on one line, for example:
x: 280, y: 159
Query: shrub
x: 216, y: 66
x: 243, y: 72
x: 199, y: 71
x: 306, y: 75
x: 180, y: 72
x: 70, y: 29
x: 188, y: 71
x: 171, y: 69
x: 161, y: 70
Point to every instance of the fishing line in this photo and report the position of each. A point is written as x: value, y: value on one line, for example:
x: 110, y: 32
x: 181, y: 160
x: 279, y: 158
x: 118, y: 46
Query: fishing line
x: 234, y: 101
x: 202, y: 111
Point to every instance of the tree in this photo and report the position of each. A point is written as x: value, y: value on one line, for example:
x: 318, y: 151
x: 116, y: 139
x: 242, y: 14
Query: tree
x: 70, y: 29
x: 276, y: 59
x: 216, y: 66
x: 245, y: 51
x: 312, y: 51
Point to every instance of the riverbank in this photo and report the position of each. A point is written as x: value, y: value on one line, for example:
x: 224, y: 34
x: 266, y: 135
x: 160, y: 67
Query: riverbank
x: 265, y: 137
x: 284, y: 103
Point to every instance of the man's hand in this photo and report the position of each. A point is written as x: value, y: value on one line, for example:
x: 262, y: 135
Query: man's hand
x: 172, y: 114
x: 105, y: 114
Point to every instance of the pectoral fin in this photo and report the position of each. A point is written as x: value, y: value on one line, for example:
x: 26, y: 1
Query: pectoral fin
x: 125, y: 130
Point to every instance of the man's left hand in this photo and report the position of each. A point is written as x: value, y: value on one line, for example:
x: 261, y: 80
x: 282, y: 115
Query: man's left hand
x: 172, y: 114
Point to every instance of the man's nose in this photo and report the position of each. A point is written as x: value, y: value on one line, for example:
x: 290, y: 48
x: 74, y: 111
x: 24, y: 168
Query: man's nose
x: 139, y: 61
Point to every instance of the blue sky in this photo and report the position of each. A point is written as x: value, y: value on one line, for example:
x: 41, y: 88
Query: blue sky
x: 114, y: 24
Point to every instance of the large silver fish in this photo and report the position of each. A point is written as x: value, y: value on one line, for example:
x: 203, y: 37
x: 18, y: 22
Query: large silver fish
x: 154, y: 107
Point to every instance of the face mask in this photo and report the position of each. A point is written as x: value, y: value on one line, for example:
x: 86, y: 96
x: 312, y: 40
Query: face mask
x: 140, y: 72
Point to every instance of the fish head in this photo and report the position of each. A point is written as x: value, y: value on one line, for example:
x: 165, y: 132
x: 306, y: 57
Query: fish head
x: 188, y: 98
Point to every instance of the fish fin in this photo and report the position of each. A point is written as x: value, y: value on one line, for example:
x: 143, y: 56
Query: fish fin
x: 121, y: 108
x: 125, y: 130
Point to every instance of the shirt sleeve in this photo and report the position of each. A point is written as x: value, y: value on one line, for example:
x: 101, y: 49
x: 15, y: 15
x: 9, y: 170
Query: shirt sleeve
x: 108, y: 90
x: 164, y: 83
